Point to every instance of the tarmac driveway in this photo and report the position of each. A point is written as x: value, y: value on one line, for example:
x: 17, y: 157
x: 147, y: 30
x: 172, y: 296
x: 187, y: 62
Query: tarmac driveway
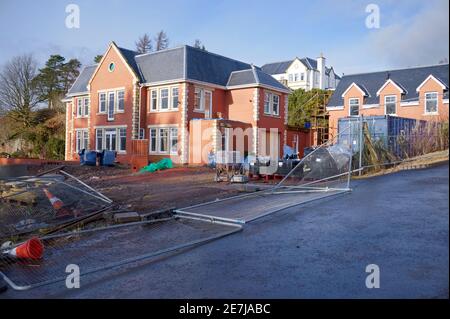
x: 399, y: 222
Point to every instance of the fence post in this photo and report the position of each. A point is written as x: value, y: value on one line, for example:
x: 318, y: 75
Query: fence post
x: 361, y: 146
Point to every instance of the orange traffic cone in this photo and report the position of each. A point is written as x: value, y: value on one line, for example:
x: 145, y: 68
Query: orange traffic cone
x: 55, y: 201
x: 31, y: 249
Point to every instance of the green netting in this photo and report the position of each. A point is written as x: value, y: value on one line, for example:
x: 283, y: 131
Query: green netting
x: 165, y: 163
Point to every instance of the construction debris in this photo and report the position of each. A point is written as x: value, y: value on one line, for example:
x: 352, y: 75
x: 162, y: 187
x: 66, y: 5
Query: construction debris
x: 127, y: 217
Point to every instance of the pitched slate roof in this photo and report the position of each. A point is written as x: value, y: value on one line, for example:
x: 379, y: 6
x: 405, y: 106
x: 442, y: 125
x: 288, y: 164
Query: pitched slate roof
x: 181, y: 63
x: 80, y: 84
x: 408, y: 79
x: 130, y: 57
x: 251, y: 76
x: 276, y: 67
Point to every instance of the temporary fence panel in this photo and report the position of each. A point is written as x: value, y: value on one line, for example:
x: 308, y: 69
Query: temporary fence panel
x: 98, y: 250
x: 322, y: 173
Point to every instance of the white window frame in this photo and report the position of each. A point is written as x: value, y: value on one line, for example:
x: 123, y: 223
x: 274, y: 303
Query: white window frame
x: 160, y: 129
x: 174, y: 105
x: 150, y: 143
x: 81, y: 136
x: 118, y: 110
x: 161, y: 99
x: 111, y: 93
x: 277, y: 113
x: 100, y: 94
x: 426, y: 100
x: 154, y: 106
x: 155, y: 99
x: 171, y: 139
x: 271, y: 96
x: 386, y: 102
x: 86, y: 106
x: 80, y: 110
x: 97, y: 146
x: 119, y: 140
x: 350, y: 105
x: 267, y: 97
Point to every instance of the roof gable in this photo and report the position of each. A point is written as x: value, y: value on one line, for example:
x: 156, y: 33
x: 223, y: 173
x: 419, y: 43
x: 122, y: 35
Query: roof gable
x: 397, y: 85
x: 360, y: 87
x: 437, y: 80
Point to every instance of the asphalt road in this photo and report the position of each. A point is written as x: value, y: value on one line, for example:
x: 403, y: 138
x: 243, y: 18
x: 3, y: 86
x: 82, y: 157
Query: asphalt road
x: 399, y: 222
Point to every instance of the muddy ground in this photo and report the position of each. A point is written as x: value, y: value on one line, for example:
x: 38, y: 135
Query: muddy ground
x: 147, y: 192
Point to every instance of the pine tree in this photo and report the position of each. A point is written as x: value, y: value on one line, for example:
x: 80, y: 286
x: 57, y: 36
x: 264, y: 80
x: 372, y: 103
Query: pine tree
x: 161, y: 40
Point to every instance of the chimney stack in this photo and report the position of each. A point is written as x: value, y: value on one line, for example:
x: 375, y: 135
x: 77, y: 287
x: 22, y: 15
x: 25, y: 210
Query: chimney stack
x: 321, y: 68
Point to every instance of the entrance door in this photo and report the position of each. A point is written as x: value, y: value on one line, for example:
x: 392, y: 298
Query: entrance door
x: 110, y: 139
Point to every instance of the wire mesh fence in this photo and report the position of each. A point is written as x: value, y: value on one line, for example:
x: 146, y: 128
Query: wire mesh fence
x: 35, y: 205
x: 322, y: 173
x: 97, y: 250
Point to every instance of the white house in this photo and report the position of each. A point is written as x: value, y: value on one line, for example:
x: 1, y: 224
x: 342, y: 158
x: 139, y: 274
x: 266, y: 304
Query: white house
x: 305, y: 73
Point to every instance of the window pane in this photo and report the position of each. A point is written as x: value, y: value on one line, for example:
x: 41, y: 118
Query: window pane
x: 86, y: 106
x: 267, y: 103
x: 121, y: 100
x: 173, y: 140
x: 390, y: 104
x: 154, y: 100
x: 99, y: 139
x: 354, y: 107
x: 198, y: 99
x: 174, y: 98
x: 275, y: 104
x: 111, y: 105
x: 122, y: 139
x: 163, y: 140
x: 431, y: 102
x: 152, y: 140
x: 208, y: 101
x: 85, y: 139
x: 164, y: 99
x: 79, y: 107
x: 102, y: 102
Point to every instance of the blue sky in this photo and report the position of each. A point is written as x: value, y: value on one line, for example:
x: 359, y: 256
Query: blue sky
x: 412, y: 32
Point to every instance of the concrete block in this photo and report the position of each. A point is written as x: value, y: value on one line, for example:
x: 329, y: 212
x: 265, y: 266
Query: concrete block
x: 128, y: 217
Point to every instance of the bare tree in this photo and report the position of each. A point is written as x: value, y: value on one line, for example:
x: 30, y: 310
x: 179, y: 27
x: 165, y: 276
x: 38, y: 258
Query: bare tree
x: 161, y: 40
x: 144, y: 44
x: 199, y: 45
x: 18, y: 94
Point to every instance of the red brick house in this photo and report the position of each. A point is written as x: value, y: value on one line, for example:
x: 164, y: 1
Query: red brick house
x: 417, y: 93
x: 162, y: 96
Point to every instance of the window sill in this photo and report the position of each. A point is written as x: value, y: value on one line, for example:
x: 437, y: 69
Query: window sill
x: 199, y: 111
x: 271, y: 115
x: 163, y: 111
x: 431, y: 113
